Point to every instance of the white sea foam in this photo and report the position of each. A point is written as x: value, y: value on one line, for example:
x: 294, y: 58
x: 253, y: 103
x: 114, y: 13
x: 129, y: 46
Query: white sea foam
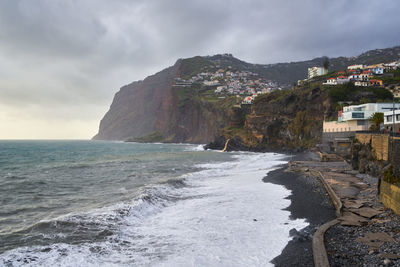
x: 195, y: 147
x: 225, y: 216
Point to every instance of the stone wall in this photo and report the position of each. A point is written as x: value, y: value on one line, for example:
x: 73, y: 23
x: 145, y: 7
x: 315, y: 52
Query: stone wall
x: 396, y: 157
x: 379, y: 144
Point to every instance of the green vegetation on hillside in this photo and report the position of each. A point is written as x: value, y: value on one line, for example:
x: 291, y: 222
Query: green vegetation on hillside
x: 350, y: 92
x: 192, y: 66
x: 391, y: 77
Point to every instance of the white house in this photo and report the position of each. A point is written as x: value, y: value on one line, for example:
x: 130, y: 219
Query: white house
x: 331, y: 81
x: 361, y: 83
x: 342, y: 80
x: 392, y: 65
x: 377, y: 70
x: 248, y: 100
x: 365, y: 111
x: 356, y: 117
x: 388, y: 121
x: 355, y: 67
x: 355, y: 77
x: 211, y: 83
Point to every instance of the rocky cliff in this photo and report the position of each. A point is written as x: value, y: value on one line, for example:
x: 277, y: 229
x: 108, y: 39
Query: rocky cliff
x: 283, y: 120
x: 156, y: 110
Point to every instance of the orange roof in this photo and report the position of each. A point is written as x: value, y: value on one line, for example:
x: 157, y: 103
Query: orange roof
x: 332, y: 79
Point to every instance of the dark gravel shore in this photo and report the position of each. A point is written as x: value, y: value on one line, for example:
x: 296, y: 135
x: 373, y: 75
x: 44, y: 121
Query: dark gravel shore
x: 344, y: 250
x: 309, y: 200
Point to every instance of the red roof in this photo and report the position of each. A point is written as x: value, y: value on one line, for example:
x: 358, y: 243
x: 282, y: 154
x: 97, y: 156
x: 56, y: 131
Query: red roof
x: 331, y: 79
x: 342, y: 77
x: 366, y: 71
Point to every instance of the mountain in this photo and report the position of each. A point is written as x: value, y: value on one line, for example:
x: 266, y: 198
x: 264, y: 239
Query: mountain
x: 173, y: 106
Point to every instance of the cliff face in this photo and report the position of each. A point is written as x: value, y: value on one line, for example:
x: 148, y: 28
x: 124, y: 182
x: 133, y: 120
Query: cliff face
x: 137, y: 106
x: 293, y: 119
x: 154, y: 107
x: 283, y: 120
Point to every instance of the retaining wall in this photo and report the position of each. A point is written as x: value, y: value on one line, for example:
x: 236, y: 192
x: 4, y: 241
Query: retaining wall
x: 396, y: 157
x: 390, y: 196
x: 379, y: 143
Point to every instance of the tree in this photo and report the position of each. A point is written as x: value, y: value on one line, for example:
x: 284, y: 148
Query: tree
x: 326, y: 64
x: 376, y: 121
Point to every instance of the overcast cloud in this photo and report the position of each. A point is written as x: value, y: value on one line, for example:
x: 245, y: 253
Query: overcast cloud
x: 62, y: 61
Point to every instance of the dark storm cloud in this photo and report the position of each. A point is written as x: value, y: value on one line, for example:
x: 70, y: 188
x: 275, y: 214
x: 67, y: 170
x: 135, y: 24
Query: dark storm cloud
x: 75, y: 54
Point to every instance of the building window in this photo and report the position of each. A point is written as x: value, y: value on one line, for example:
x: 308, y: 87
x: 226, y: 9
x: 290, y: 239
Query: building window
x: 359, y: 122
x: 389, y: 118
x: 358, y: 115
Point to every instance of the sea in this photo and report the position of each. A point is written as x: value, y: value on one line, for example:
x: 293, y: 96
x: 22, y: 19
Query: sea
x: 97, y: 203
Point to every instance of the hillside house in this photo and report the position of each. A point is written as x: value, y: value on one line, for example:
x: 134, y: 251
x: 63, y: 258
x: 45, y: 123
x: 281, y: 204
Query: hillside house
x: 355, y: 77
x: 355, y: 67
x: 248, y: 100
x: 331, y: 81
x: 377, y: 83
x: 361, y: 83
x: 377, y: 70
x: 342, y: 79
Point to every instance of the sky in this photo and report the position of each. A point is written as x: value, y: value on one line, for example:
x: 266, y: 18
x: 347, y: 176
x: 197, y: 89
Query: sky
x: 61, y: 62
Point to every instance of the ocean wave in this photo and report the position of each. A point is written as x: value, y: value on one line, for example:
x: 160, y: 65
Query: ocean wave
x: 204, y: 218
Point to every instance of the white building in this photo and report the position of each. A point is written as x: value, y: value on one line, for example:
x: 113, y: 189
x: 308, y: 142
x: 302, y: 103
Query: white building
x: 365, y: 111
x: 248, y: 100
x: 355, y: 67
x: 377, y: 70
x: 356, y: 117
x: 331, y: 81
x: 316, y: 71
x: 392, y: 65
x: 355, y: 77
x: 388, y: 121
x: 211, y: 83
x: 361, y: 83
x: 342, y: 80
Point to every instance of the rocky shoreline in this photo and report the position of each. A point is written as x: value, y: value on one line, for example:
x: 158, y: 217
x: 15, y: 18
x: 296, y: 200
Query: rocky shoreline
x: 368, y: 234
x: 309, y: 200
x: 236, y: 144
